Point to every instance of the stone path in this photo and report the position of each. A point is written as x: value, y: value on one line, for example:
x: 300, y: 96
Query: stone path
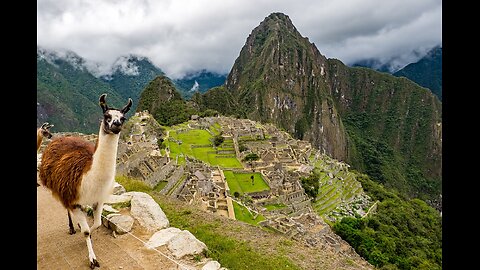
x: 56, y: 249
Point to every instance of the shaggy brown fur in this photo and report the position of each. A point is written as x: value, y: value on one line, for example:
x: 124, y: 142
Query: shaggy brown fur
x: 64, y: 162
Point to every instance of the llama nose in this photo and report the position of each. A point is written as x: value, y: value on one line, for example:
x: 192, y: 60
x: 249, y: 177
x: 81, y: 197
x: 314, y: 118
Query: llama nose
x: 117, y: 123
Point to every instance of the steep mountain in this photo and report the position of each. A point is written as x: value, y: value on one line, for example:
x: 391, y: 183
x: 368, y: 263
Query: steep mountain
x: 385, y: 126
x: 164, y: 102
x: 199, y: 81
x: 130, y: 76
x: 427, y: 72
x: 279, y: 77
x: 67, y: 93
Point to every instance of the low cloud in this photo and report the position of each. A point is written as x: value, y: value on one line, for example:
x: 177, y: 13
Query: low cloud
x: 181, y: 36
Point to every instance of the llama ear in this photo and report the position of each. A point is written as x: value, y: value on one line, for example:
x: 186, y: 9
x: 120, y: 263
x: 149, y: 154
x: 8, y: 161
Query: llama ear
x: 127, y: 107
x: 103, y: 103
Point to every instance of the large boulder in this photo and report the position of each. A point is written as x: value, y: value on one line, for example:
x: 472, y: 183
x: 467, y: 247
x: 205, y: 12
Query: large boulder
x: 161, y: 237
x: 148, y: 213
x: 119, y: 223
x: 185, y: 243
x: 180, y: 243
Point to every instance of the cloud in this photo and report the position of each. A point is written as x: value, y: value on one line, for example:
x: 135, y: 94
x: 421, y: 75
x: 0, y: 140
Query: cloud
x: 181, y: 36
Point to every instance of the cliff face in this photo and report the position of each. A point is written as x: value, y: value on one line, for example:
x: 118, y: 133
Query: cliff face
x: 280, y: 77
x: 394, y: 127
x: 382, y: 125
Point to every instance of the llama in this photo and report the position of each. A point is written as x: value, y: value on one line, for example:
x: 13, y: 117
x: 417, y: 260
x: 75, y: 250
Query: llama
x: 81, y: 174
x: 43, y: 132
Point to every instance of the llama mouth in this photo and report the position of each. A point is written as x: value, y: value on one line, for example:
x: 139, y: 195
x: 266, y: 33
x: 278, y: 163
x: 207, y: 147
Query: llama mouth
x: 115, y: 130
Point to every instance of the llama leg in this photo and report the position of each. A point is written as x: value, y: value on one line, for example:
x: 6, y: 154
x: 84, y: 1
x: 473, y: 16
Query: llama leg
x: 70, y: 223
x: 97, y: 216
x: 82, y: 219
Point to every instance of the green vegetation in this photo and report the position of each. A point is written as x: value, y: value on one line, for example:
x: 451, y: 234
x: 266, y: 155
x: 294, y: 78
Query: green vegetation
x: 131, y: 184
x: 402, y: 234
x: 230, y: 250
x: 311, y: 184
x: 160, y: 185
x: 218, y: 99
x: 165, y: 104
x: 131, y: 86
x: 197, y: 143
x: 427, y: 72
x: 398, y: 143
x: 218, y: 140
x: 242, y: 214
x: 242, y: 183
x: 251, y: 157
x: 389, y: 123
x: 67, y: 96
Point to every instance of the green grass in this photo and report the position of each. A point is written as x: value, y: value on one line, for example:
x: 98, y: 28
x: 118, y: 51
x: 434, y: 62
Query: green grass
x: 197, y: 137
x: 242, y: 214
x: 242, y: 183
x: 231, y: 252
x: 193, y: 136
x: 215, y: 128
x: 177, y: 184
x: 131, y: 184
x: 160, y: 185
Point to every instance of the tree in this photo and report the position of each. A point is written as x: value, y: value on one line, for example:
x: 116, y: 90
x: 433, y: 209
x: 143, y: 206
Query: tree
x: 250, y: 158
x: 311, y: 185
x: 242, y: 147
x: 218, y: 139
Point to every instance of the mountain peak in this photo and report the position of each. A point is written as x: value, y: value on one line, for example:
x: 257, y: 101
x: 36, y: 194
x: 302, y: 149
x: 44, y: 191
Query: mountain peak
x: 276, y: 22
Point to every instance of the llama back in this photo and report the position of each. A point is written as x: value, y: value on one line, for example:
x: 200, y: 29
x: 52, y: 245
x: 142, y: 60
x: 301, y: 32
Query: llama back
x: 64, y: 161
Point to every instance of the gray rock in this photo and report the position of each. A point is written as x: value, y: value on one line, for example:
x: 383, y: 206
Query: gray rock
x: 211, y: 265
x: 179, y: 242
x: 185, y: 243
x: 108, y: 208
x: 123, y: 198
x: 120, y: 223
x: 148, y: 213
x: 105, y: 220
x: 161, y: 237
x: 118, y: 189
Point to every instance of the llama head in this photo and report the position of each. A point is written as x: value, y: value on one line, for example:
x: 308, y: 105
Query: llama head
x: 113, y: 119
x: 44, y: 130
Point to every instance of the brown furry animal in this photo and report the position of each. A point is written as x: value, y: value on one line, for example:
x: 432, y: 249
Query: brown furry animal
x: 81, y: 174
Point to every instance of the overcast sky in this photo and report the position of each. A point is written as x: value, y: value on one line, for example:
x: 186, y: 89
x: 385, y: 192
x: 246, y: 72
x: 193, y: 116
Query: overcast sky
x: 182, y: 36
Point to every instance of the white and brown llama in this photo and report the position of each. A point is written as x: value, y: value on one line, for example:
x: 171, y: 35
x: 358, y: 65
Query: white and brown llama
x: 81, y: 174
x: 43, y: 132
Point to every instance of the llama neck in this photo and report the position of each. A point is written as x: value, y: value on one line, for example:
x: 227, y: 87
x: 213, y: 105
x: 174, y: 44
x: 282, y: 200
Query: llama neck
x: 105, y: 155
x: 39, y: 139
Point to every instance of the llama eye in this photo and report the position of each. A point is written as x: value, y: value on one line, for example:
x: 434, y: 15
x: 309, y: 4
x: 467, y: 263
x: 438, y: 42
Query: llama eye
x: 123, y: 118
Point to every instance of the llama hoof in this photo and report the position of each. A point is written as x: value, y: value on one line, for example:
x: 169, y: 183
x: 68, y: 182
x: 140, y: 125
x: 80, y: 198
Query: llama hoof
x: 72, y: 231
x: 94, y: 263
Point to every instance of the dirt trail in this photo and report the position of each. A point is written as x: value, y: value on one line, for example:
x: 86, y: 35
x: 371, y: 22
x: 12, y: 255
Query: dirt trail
x: 56, y: 249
